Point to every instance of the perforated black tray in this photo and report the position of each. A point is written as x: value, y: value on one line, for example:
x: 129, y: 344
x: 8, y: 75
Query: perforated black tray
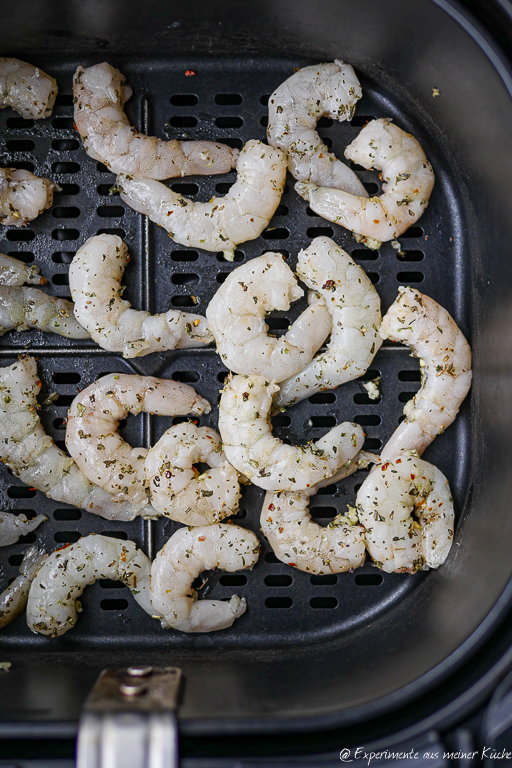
x: 225, y: 102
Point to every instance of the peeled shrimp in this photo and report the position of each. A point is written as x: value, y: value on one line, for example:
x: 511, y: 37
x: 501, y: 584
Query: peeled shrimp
x: 178, y: 490
x: 354, y: 305
x: 14, y: 526
x: 53, y: 604
x: 302, y: 543
x: 445, y: 361
x: 25, y: 308
x: 94, y: 442
x: 189, y: 552
x: 293, y: 111
x: 244, y: 424
x: 226, y: 221
x: 23, y: 196
x: 32, y: 455
x: 408, y: 182
x: 13, y: 600
x: 99, y: 95
x: 16, y: 272
x: 401, y: 485
x: 236, y: 318
x: 27, y: 89
x: 95, y: 281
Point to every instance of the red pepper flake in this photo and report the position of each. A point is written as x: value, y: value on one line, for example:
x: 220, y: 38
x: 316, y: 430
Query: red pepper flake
x: 281, y: 529
x: 271, y: 507
x: 190, y: 73
x: 74, y: 126
x: 376, y: 221
x: 398, y: 461
x: 385, y: 466
x: 32, y: 489
x: 413, y: 477
x: 123, y: 556
x: 65, y: 546
x: 201, y: 538
x: 320, y: 155
x: 293, y: 565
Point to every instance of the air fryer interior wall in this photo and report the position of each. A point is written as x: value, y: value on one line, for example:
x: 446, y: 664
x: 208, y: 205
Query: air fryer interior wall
x: 365, y: 647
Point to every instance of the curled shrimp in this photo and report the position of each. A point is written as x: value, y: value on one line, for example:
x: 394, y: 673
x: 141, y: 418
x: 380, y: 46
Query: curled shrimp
x: 189, y: 552
x: 16, y: 272
x: 224, y: 222
x: 178, y: 490
x: 399, y: 486
x: 13, y: 526
x: 99, y: 96
x: 53, y: 604
x: 27, y: 89
x: 293, y: 111
x: 354, y: 305
x: 23, y: 196
x: 300, y: 542
x: 236, y: 318
x: 13, y: 600
x: 32, y: 455
x: 246, y: 431
x: 95, y: 282
x: 94, y: 442
x: 408, y: 182
x: 445, y: 363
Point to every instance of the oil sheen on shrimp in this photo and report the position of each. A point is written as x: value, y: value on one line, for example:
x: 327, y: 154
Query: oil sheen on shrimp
x: 99, y: 96
x: 236, y: 317
x: 224, y: 222
x: 13, y: 600
x: 95, y: 278
x: 293, y: 111
x: 408, y: 181
x: 32, y: 455
x: 13, y: 526
x: 53, y: 603
x: 23, y: 196
x: 354, y: 305
x: 189, y: 552
x: 402, y: 485
x: 23, y: 308
x: 445, y: 363
x: 246, y: 431
x: 16, y: 272
x: 300, y: 542
x: 27, y: 89
x: 178, y: 490
x: 94, y: 442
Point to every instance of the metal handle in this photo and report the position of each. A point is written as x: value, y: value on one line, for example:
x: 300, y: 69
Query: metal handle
x: 129, y: 720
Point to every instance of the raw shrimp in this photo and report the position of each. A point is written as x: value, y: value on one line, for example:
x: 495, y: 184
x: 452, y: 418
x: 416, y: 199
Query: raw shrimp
x: 354, y: 305
x: 99, y: 95
x: 236, y: 318
x: 23, y: 196
x: 226, y: 221
x: 24, y: 308
x: 13, y: 526
x: 32, y: 455
x: 189, y: 552
x: 15, y: 272
x: 94, y: 442
x: 298, y: 541
x: 178, y: 490
x: 95, y: 281
x: 27, y: 89
x: 408, y: 182
x: 246, y: 431
x: 445, y: 362
x: 399, y: 486
x: 13, y: 600
x: 293, y: 111
x: 53, y: 603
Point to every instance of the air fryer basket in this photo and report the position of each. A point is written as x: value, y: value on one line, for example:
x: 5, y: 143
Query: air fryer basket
x: 311, y: 651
